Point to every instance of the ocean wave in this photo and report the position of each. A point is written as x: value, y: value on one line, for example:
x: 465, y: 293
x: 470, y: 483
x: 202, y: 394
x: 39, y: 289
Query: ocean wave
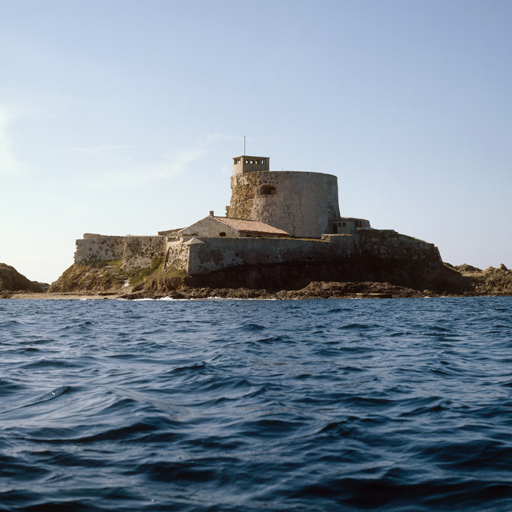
x: 222, y: 405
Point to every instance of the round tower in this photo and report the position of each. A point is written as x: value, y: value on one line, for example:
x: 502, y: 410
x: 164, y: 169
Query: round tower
x: 301, y: 203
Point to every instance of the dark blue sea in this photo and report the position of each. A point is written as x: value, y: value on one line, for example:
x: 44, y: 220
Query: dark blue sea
x: 224, y: 405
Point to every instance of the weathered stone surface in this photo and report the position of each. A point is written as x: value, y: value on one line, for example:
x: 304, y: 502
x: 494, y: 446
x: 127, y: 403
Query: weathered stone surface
x: 99, y: 247
x: 300, y: 203
x: 136, y: 252
x: 388, y: 248
x: 141, y: 251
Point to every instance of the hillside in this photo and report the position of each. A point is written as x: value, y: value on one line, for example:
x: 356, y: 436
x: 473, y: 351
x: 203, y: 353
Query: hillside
x: 12, y: 281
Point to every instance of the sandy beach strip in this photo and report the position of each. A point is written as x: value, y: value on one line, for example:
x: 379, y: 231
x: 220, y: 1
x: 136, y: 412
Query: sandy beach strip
x: 60, y: 296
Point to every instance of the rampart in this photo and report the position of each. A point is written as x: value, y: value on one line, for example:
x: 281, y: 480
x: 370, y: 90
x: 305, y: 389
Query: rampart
x: 199, y: 256
x: 135, y: 251
x: 388, y: 245
x: 210, y: 254
x: 203, y: 255
x: 99, y: 247
x: 141, y: 251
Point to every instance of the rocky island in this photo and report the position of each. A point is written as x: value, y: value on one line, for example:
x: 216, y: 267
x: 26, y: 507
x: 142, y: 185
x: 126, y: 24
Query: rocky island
x: 282, y: 237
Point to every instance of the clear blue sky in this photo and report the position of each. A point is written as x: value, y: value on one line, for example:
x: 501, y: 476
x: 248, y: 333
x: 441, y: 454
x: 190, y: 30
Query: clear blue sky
x: 121, y: 116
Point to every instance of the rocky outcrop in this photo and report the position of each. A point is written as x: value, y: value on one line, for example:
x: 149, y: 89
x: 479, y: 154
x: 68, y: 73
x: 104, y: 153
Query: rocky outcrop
x: 91, y: 276
x: 296, y: 276
x: 471, y: 281
x: 12, y: 281
x: 371, y: 277
x: 102, y: 277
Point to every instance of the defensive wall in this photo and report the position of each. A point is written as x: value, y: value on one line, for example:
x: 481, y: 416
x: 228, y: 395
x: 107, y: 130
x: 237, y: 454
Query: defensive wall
x: 141, y: 251
x: 199, y: 256
x: 99, y: 247
x: 388, y: 245
x: 300, y: 203
x: 203, y: 255
x: 135, y: 251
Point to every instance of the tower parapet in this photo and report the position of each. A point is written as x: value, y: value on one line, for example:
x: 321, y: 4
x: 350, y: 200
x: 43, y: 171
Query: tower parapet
x: 244, y: 163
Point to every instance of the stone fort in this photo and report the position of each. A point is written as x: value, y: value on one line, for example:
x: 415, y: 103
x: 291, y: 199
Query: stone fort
x: 273, y: 217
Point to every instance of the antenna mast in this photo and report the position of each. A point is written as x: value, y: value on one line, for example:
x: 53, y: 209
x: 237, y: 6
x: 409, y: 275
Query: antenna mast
x: 244, y: 145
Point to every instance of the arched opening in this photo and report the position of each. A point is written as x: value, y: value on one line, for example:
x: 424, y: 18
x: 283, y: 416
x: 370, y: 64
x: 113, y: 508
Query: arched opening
x: 266, y: 190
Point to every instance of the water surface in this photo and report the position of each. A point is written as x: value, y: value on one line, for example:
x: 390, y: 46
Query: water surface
x: 221, y: 405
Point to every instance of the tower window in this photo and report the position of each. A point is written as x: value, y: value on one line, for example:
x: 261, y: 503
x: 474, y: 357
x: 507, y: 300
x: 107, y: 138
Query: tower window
x: 266, y: 190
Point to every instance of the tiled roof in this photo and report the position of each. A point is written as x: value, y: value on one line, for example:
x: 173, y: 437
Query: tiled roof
x: 251, y: 226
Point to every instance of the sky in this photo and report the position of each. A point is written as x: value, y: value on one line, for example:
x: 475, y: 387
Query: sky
x: 122, y: 116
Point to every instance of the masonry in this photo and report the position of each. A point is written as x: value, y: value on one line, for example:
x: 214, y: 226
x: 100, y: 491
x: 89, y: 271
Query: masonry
x: 136, y: 252
x: 204, y: 255
x: 301, y: 203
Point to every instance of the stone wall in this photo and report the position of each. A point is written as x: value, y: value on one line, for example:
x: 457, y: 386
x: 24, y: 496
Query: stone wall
x: 210, y: 254
x: 135, y: 251
x: 300, y: 203
x: 177, y: 255
x: 99, y: 247
x: 203, y: 255
x: 385, y: 249
x: 388, y: 245
x: 141, y: 251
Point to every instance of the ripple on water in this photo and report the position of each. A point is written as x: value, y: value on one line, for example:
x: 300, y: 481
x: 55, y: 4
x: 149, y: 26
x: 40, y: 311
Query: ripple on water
x: 396, y: 405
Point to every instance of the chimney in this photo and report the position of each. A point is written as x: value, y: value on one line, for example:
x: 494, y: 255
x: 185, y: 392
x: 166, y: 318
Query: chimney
x: 211, y: 213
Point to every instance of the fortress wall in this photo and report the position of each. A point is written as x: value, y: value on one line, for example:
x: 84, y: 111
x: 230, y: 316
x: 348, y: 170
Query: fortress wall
x: 301, y: 203
x: 177, y: 256
x: 387, y: 244
x: 218, y: 253
x: 100, y: 247
x: 140, y: 251
x: 211, y: 254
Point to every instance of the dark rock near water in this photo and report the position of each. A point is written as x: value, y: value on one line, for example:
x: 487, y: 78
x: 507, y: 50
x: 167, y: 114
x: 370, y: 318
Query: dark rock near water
x: 12, y: 281
x: 358, y: 278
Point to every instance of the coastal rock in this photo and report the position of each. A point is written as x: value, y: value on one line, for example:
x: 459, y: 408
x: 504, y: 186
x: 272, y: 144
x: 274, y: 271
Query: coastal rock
x: 373, y: 278
x: 12, y: 281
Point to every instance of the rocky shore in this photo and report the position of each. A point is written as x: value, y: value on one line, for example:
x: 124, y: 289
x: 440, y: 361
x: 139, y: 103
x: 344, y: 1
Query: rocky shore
x: 352, y: 280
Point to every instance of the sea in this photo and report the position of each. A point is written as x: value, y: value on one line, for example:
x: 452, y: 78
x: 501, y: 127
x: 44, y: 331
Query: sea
x: 256, y: 405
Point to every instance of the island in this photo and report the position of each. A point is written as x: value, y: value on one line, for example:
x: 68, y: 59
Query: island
x: 282, y: 236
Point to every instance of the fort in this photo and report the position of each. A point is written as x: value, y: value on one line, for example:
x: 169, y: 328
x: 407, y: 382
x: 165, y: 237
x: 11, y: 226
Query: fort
x: 274, y: 218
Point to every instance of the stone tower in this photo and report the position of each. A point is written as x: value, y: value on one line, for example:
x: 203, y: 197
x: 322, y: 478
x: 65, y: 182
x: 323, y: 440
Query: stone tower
x: 301, y: 203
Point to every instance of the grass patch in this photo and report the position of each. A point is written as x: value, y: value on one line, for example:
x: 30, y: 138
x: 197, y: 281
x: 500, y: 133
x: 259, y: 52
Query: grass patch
x: 96, y: 275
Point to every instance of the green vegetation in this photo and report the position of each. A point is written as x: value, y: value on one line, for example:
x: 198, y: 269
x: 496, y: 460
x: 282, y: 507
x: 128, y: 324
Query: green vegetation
x: 156, y: 279
x: 142, y: 275
x: 108, y: 276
